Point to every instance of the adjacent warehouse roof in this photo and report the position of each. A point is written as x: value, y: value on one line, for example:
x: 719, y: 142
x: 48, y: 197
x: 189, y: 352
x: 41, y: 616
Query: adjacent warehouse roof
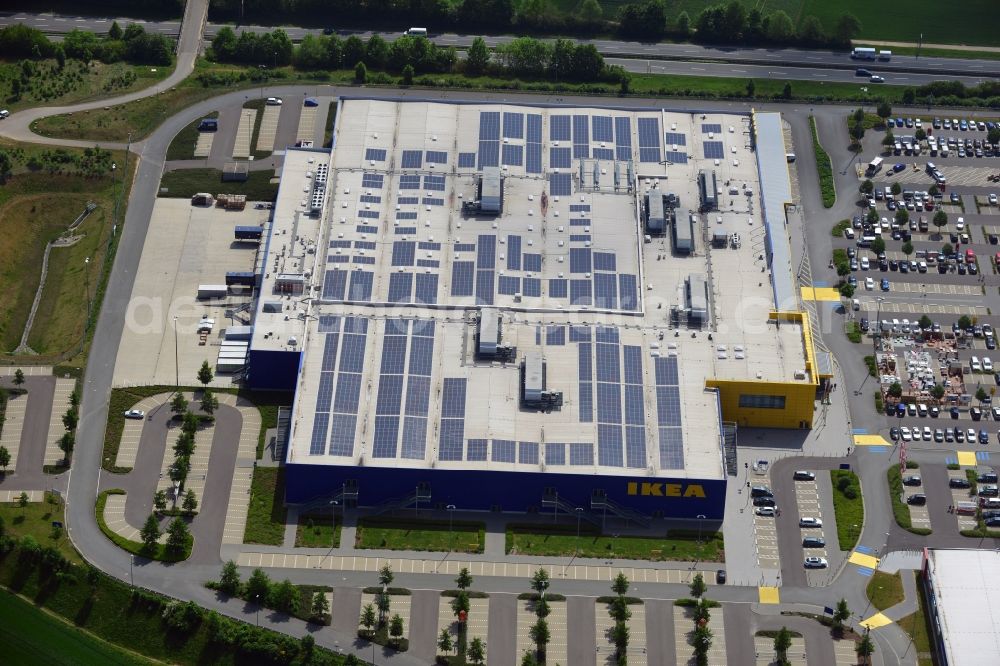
x: 776, y: 189
x: 965, y: 604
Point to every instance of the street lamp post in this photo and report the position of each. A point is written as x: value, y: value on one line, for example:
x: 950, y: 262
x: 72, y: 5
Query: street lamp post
x: 86, y: 278
x: 700, y: 518
x: 451, y: 519
x: 257, y: 599
x: 177, y: 370
x: 579, y: 514
x: 333, y: 520
x: 131, y: 576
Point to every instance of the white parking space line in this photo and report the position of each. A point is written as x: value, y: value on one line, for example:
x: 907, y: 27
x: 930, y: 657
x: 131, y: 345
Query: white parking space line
x: 764, y: 651
x: 241, y: 148
x: 268, y: 128
x: 478, y: 618
x: 10, y: 437
x: 557, y: 647
x: 398, y: 605
x: 307, y: 124
x: 60, y: 404
x: 203, y: 146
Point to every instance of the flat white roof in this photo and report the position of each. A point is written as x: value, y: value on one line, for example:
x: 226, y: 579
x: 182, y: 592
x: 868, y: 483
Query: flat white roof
x: 967, y: 603
x: 389, y: 375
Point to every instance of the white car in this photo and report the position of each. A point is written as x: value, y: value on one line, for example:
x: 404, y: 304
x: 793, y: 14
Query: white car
x: 4, y: 113
x: 904, y: 432
x: 810, y: 522
x: 960, y: 224
x: 768, y: 511
x: 869, y: 284
x: 928, y: 435
x: 987, y: 364
x: 135, y: 414
x: 274, y: 101
x: 865, y: 264
x: 993, y: 197
x: 815, y: 563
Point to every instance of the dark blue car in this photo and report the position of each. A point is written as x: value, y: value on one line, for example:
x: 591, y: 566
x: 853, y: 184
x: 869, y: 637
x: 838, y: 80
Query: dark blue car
x: 898, y: 167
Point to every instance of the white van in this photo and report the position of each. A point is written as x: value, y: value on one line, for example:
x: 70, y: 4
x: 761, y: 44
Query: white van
x: 416, y: 32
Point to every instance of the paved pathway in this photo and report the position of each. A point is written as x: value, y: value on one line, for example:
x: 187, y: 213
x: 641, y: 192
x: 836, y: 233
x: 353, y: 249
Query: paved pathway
x: 268, y: 128
x: 60, y: 405
x: 246, y: 457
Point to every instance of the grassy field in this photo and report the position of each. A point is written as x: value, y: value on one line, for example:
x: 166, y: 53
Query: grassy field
x: 916, y: 626
x: 411, y: 534
x: 185, y: 183
x: 46, y: 192
x: 824, y: 168
x: 319, y: 535
x: 885, y: 590
x: 183, y: 145
x: 849, y: 511
x: 32, y: 636
x: 905, y: 23
x: 77, y: 82
x: 36, y: 519
x: 676, y: 545
x: 266, y: 515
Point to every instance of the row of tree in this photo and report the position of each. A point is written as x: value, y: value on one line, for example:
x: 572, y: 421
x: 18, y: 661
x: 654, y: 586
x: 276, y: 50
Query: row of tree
x: 259, y: 589
x: 332, y: 52
x: 133, y: 44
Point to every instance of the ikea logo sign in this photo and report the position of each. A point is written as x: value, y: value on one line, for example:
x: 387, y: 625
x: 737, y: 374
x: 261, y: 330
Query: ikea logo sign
x: 653, y: 489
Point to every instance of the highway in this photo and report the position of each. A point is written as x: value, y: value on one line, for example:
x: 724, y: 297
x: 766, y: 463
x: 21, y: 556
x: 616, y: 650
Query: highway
x: 692, y: 59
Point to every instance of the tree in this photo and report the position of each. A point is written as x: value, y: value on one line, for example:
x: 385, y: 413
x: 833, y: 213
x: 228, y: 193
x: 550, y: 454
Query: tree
x: 385, y: 576
x: 396, y: 627
x: 209, y: 403
x: 306, y: 646
x: 857, y: 132
x: 889, y: 139
x: 620, y: 584
x: 751, y: 88
x: 920, y: 134
x: 528, y: 659
x: 895, y: 390
x: 160, y: 500
x: 618, y: 610
x: 445, y: 644
x: 368, y: 617
x: 18, y: 377
x: 925, y: 322
x: 190, y: 503
x: 229, y: 581
x: 840, y: 614
x: 360, y: 73
x: 478, y: 57
x: 811, y: 31
x: 896, y: 189
x: 284, y: 597
x: 540, y: 581
x: 865, y: 647
x: 981, y: 394
x: 620, y: 636
x: 847, y: 290
x: 351, y: 660
x: 408, y: 75
x: 179, y: 404
x: 940, y: 219
x: 66, y: 443
x: 878, y: 245
x: 115, y: 31
x: 22, y: 500
x: 205, y: 374
x: 933, y: 190
x: 540, y: 635
x: 848, y: 27
x: 460, y: 603
x: 866, y: 187
x: 702, y: 639
x: 902, y: 216
x: 780, y: 28
x: 71, y: 417
x: 786, y: 92
x: 702, y: 614
x: 964, y: 322
x: 150, y: 532
x: 258, y: 586
x: 590, y: 11
x: 542, y: 608
x: 907, y: 248
x: 382, y: 602
x: 476, y: 652
x: 947, y: 249
x: 937, y: 391
x: 698, y: 586
x: 4, y: 457
x: 993, y: 136
x: 464, y: 580
x: 782, y: 641
x: 190, y: 422
x: 177, y: 535
x: 884, y: 109
x: 683, y: 25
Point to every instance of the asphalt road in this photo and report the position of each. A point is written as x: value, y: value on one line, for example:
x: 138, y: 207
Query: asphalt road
x: 34, y: 434
x: 785, y: 63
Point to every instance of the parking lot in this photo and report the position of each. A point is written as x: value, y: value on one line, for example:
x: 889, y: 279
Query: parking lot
x: 765, y: 532
x: 816, y: 546
x: 913, y: 488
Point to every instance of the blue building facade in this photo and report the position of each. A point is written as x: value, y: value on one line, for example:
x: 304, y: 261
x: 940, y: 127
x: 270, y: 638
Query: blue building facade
x: 486, y: 490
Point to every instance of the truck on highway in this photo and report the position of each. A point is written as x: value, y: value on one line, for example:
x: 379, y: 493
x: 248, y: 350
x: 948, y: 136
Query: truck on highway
x: 864, y: 53
x: 885, y: 55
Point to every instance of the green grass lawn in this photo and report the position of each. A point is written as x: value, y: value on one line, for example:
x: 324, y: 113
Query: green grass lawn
x: 185, y: 183
x: 319, y: 535
x: 973, y: 24
x: 36, y: 520
x: 885, y: 590
x: 266, y: 515
x: 415, y: 534
x: 32, y: 636
x: 562, y: 541
x: 915, y: 625
x: 849, y: 510
x: 824, y: 168
x: 183, y: 145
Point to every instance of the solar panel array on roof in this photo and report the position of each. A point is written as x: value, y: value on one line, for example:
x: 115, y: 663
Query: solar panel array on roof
x: 342, y: 413
x: 360, y: 286
x: 711, y: 128
x: 602, y: 128
x: 668, y: 413
x: 466, y: 160
x: 334, y: 285
x: 581, y: 453
x: 586, y: 375
x: 375, y: 154
x: 560, y: 158
x: 533, y: 145
x: 427, y: 288
x: 477, y: 449
x: 579, y: 260
x: 555, y: 453
x: 628, y: 292
x: 649, y: 139
x: 400, y: 287
x: 512, y: 155
x: 484, y: 287
x: 559, y: 128
x: 409, y: 182
x: 513, y: 253
x: 513, y: 125
x: 489, y: 138
x: 603, y: 153
x: 605, y: 291
x: 558, y: 288
x: 434, y: 183
x: 372, y: 180
x: 555, y: 335
x: 676, y: 157
x: 527, y: 453
x: 604, y: 261
x: 452, y: 429
x: 580, y: 292
x: 560, y: 184
x: 532, y: 262
x: 412, y: 159
x: 532, y: 287
x: 508, y: 285
x: 503, y: 450
x: 403, y: 253
x: 462, y: 275
x: 714, y: 150
x: 675, y: 139
x: 623, y: 138
x: 436, y: 157
x: 581, y: 137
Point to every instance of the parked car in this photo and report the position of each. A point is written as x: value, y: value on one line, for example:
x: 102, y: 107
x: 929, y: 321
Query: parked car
x: 899, y: 167
x: 274, y: 101
x: 987, y: 477
x: 919, y: 499
x: 813, y: 542
x: 764, y: 501
x: 720, y: 577
x: 761, y: 491
x: 768, y: 511
x: 804, y: 475
x: 815, y: 563
x: 810, y: 522
x: 912, y: 480
x: 135, y: 414
x: 956, y: 482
